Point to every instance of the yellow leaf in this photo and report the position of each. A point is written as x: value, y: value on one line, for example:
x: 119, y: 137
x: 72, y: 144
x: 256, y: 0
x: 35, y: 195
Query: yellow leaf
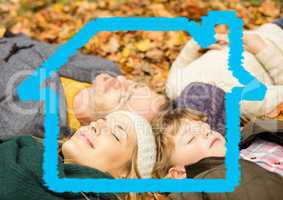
x: 2, y: 31
x: 160, y: 10
x: 175, y: 39
x: 126, y: 52
x: 58, y: 7
x: 183, y: 38
x: 143, y: 45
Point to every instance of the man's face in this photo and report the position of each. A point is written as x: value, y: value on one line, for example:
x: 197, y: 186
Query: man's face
x: 195, y: 141
x: 110, y: 94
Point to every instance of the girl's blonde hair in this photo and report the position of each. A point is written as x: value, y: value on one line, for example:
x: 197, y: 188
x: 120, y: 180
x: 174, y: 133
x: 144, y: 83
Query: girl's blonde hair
x: 165, y: 127
x: 133, y: 172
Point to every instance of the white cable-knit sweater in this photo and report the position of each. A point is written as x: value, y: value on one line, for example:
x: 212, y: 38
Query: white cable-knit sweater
x: 212, y: 67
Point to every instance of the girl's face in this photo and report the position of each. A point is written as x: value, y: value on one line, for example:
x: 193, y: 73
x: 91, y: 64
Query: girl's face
x: 195, y: 141
x: 107, y: 145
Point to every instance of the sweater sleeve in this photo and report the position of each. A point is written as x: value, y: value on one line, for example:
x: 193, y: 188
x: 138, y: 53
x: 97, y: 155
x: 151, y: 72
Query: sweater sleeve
x: 273, y: 97
x: 79, y: 67
x: 272, y: 59
x: 272, y: 55
x: 188, y: 54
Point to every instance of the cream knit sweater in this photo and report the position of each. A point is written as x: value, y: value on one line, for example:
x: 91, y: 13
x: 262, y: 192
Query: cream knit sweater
x: 212, y: 67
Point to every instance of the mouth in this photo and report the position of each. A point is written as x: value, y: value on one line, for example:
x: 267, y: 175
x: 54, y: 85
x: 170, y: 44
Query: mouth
x: 213, y: 142
x: 86, y: 139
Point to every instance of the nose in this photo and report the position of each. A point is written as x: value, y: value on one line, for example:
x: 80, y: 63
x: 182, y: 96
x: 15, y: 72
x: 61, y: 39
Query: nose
x: 121, y: 78
x: 105, y: 76
x: 124, y: 82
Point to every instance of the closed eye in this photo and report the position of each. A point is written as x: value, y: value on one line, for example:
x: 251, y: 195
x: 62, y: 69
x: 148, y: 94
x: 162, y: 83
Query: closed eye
x: 190, y: 140
x: 116, y: 137
x: 130, y: 96
x: 131, y: 92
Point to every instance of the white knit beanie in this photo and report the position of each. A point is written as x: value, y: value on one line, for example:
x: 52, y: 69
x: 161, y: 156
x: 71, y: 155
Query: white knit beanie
x: 146, y: 155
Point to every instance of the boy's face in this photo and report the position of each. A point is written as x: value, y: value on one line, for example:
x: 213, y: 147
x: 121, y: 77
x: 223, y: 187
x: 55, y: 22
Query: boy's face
x: 195, y: 141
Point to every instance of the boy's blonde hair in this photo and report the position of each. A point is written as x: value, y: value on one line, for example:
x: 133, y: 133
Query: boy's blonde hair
x: 165, y: 127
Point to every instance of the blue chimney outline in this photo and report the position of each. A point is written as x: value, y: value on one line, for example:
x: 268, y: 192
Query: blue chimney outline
x: 31, y: 90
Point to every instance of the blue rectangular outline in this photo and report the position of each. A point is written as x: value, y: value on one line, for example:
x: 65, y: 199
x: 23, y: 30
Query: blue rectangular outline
x: 204, y: 36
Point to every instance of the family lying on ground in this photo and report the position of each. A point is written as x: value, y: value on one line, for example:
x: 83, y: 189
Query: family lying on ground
x: 117, y: 128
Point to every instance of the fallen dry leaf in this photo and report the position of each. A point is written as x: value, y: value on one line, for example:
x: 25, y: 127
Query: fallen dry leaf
x: 143, y: 45
x: 269, y: 8
x: 111, y: 46
x: 2, y: 31
x: 144, y: 56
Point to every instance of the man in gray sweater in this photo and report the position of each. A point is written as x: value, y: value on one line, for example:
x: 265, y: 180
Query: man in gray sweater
x: 20, y: 55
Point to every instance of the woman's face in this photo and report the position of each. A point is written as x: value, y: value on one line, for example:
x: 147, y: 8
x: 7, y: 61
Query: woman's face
x: 195, y: 141
x: 107, y: 144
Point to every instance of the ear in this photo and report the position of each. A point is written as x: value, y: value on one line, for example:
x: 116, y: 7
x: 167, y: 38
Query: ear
x: 177, y: 172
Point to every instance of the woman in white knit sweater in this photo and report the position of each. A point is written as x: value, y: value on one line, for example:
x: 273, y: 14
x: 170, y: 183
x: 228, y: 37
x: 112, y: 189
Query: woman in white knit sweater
x: 263, y: 58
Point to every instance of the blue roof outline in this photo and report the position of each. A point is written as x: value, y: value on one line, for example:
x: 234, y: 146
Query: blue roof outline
x: 203, y: 34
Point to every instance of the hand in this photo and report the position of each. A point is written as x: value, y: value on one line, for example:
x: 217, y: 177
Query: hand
x: 221, y: 42
x: 276, y: 112
x: 253, y: 43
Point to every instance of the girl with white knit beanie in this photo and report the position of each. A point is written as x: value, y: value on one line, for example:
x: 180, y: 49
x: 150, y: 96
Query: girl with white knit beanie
x: 122, y: 144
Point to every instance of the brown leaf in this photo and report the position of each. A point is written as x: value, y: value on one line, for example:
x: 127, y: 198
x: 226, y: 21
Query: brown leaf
x: 144, y: 56
x: 175, y: 38
x: 155, y: 54
x: 156, y: 36
x: 111, y: 46
x: 160, y: 10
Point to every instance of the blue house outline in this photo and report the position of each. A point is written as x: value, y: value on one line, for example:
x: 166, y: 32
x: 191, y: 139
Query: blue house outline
x: 203, y: 34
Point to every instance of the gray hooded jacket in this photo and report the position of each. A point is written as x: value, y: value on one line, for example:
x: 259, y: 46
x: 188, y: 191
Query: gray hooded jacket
x: 19, y: 56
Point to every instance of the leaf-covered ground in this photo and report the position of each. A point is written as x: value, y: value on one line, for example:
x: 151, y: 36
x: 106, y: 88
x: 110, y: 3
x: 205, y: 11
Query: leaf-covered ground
x: 142, y: 56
